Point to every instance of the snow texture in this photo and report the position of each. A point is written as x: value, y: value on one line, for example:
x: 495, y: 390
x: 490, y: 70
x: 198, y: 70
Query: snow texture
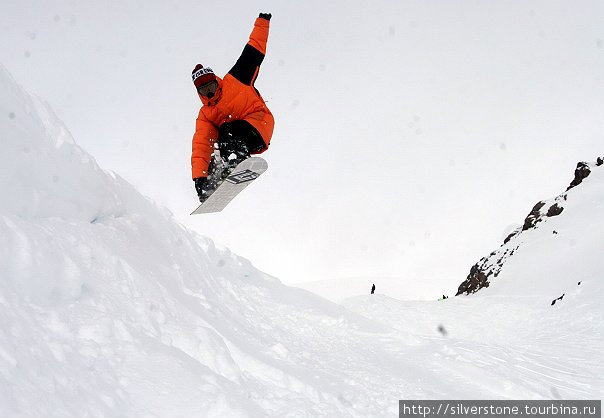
x: 108, y: 307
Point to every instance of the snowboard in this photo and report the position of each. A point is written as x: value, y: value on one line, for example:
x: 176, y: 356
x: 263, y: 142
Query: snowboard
x: 246, y: 172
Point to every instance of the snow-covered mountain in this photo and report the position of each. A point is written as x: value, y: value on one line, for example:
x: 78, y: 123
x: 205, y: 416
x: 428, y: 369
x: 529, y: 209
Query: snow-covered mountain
x: 561, y: 241
x: 108, y: 307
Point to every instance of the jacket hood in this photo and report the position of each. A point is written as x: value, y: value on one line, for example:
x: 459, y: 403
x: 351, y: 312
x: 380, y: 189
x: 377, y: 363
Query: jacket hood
x: 217, y: 96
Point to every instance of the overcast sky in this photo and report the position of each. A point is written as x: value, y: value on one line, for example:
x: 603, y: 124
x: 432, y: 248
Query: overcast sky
x: 410, y: 136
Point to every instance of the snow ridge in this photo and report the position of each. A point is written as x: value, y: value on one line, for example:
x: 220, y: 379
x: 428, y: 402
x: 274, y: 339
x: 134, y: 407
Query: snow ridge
x: 108, y: 307
x: 539, y: 219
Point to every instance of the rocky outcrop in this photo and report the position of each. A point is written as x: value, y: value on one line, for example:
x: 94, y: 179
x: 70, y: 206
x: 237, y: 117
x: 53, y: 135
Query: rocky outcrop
x: 490, y: 266
x: 486, y: 268
x: 533, y: 217
x: 581, y: 173
x: 554, y: 210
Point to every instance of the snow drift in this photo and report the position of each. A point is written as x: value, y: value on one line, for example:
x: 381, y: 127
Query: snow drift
x: 108, y: 307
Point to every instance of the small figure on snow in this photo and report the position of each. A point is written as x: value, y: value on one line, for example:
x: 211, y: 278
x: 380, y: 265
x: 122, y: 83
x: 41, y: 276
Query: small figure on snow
x: 373, y: 289
x: 234, y: 117
x: 557, y: 299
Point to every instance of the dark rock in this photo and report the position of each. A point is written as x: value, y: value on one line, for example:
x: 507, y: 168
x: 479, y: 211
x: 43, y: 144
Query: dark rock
x: 581, y: 172
x: 477, y: 279
x: 599, y: 161
x: 557, y: 299
x: 509, y: 237
x: 534, y: 217
x: 512, y: 235
x: 554, y: 210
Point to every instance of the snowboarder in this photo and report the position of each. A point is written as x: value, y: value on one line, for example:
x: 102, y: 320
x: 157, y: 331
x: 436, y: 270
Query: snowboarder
x: 234, y: 118
x: 373, y: 289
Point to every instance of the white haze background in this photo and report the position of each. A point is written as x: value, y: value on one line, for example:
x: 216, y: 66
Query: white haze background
x: 410, y: 136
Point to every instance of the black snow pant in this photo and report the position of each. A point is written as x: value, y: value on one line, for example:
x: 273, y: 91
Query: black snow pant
x: 237, y: 140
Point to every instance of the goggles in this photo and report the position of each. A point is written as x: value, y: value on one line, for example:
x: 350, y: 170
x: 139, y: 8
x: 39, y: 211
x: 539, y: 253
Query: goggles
x: 208, y: 88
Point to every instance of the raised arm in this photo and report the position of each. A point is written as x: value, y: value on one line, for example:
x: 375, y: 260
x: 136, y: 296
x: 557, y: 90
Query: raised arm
x: 247, y: 66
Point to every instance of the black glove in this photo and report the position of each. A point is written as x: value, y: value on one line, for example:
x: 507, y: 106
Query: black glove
x: 266, y: 16
x: 199, y: 187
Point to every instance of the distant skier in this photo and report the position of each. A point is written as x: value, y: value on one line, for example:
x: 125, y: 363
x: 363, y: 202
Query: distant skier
x: 234, y: 117
x: 373, y: 289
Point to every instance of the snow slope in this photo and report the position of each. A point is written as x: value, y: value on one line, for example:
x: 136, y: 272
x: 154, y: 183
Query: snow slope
x: 560, y: 243
x: 405, y: 288
x: 535, y: 325
x: 537, y: 316
x: 108, y: 307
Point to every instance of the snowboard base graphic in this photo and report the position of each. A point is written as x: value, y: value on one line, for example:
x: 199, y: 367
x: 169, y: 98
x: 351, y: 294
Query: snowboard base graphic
x: 245, y: 173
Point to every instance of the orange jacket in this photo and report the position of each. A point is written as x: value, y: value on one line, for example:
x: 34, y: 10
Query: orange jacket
x: 236, y: 98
